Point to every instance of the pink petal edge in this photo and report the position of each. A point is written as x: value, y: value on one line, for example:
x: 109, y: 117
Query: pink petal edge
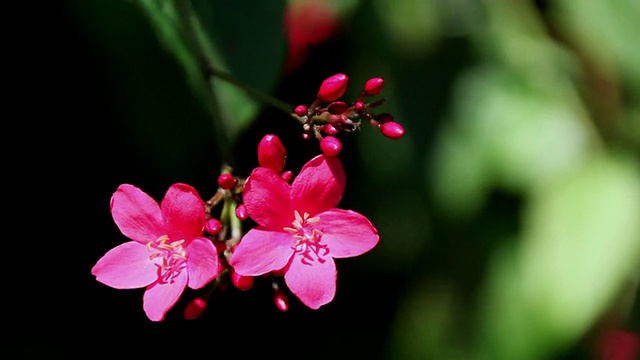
x: 314, y: 285
x: 183, y: 212
x: 202, y: 263
x: 159, y: 298
x: 347, y: 233
x: 261, y: 251
x: 319, y: 186
x: 126, y: 266
x: 136, y: 214
x: 266, y: 198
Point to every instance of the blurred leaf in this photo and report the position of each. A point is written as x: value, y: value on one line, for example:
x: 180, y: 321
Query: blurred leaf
x: 243, y: 38
x: 506, y: 133
x: 412, y: 25
x: 606, y: 30
x: 386, y: 183
x: 580, y: 246
x: 427, y: 324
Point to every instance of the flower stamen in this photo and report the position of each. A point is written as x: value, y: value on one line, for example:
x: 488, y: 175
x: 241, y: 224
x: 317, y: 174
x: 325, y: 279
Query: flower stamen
x: 308, y: 238
x: 173, y: 254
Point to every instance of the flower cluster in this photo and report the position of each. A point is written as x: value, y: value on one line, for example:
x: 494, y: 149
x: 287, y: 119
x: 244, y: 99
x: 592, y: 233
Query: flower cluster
x: 299, y: 231
x: 326, y: 121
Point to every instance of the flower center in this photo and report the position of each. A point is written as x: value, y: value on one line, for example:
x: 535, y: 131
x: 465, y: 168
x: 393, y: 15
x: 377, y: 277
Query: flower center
x: 308, y: 236
x: 173, y: 258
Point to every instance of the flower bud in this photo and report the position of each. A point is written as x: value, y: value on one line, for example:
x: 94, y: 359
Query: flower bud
x: 287, y: 175
x: 301, y: 110
x: 333, y: 87
x: 221, y: 247
x: 329, y: 129
x: 392, y: 130
x: 271, y: 153
x: 241, y: 212
x: 227, y: 181
x: 337, y: 107
x: 373, y: 86
x: 242, y: 282
x: 213, y: 226
x: 330, y: 146
x: 359, y: 105
x: 195, y: 308
x: 281, y: 300
x: 384, y: 117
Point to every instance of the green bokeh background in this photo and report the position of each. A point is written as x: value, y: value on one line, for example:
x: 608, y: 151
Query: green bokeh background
x: 509, y: 213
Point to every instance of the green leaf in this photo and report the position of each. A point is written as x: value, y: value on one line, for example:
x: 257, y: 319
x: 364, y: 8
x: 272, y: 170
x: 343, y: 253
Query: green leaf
x: 243, y: 38
x: 579, y: 247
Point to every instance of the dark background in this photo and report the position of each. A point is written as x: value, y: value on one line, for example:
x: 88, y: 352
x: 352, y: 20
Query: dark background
x: 86, y: 84
x: 65, y: 154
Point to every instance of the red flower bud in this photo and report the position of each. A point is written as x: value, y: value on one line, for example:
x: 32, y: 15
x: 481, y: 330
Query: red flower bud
x: 392, y: 130
x: 373, y: 86
x: 330, y: 146
x: 384, y: 117
x: 243, y: 283
x: 359, y: 105
x: 195, y: 308
x: 221, y: 247
x: 281, y: 300
x: 213, y: 226
x: 287, y: 175
x: 227, y: 181
x: 333, y: 87
x: 241, y: 212
x: 329, y: 129
x: 301, y: 110
x: 271, y: 153
x: 337, y: 107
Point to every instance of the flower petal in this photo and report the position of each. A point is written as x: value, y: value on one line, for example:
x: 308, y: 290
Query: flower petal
x: 315, y: 284
x: 266, y: 198
x: 319, y: 186
x: 261, y: 251
x: 126, y: 266
x: 183, y: 212
x: 202, y: 262
x: 137, y: 215
x: 347, y: 233
x: 161, y: 296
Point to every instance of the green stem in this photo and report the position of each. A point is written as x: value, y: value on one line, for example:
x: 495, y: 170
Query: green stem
x: 203, y: 60
x: 257, y: 94
x: 236, y: 224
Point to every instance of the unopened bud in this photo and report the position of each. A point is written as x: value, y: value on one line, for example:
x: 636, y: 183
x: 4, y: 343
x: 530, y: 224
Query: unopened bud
x: 359, y: 105
x: 330, y: 146
x: 301, y: 110
x: 213, y: 226
x: 384, y: 117
x: 242, y: 282
x: 392, y: 130
x: 329, y: 129
x: 281, y: 300
x: 271, y: 153
x: 287, y: 175
x: 221, y: 246
x: 333, y: 88
x: 195, y: 308
x: 373, y: 86
x: 337, y: 107
x: 241, y: 212
x: 227, y: 181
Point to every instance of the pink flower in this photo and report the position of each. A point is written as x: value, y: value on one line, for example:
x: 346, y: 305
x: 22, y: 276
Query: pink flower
x: 300, y: 231
x: 168, y: 251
